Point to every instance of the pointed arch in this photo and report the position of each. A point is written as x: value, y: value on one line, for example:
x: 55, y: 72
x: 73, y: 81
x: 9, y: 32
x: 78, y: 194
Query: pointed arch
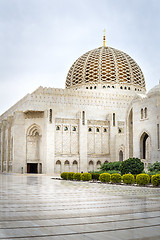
x: 75, y: 166
x: 145, y: 142
x: 67, y: 166
x: 91, y: 166
x: 98, y: 164
x: 58, y: 166
x: 33, y: 148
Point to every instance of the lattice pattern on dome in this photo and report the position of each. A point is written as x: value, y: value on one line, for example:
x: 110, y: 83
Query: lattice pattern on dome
x: 105, y: 65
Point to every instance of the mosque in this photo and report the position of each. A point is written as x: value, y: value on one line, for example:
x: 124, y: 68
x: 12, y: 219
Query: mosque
x: 103, y: 114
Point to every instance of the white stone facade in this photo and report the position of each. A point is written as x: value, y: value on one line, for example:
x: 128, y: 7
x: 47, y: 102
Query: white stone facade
x: 78, y: 128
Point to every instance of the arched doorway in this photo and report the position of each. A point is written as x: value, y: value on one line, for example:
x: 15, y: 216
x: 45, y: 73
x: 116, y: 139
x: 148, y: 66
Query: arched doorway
x: 75, y: 166
x: 66, y: 166
x: 98, y: 164
x: 91, y: 166
x: 145, y: 146
x: 58, y: 167
x: 33, y: 149
x: 121, y: 156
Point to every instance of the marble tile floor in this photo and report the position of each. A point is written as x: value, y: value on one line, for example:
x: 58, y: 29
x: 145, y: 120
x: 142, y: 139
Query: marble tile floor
x: 39, y: 207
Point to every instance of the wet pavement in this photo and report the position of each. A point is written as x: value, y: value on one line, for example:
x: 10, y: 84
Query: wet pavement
x: 39, y: 207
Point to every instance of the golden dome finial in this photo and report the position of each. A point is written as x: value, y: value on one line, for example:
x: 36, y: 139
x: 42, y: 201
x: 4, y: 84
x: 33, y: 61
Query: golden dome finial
x: 104, y: 38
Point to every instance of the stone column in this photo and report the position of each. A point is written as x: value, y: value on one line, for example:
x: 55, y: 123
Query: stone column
x: 19, y: 143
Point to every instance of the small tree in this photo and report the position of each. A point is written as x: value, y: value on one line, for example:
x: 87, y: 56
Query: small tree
x: 132, y: 165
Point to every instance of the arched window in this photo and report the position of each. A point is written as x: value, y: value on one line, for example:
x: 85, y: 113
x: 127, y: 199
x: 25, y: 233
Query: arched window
x: 89, y: 129
x: 91, y: 162
x: 145, y: 112
x: 74, y: 129
x: 50, y: 115
x: 58, y: 162
x: 66, y: 162
x: 65, y: 128
x: 97, y: 129
x: 114, y: 119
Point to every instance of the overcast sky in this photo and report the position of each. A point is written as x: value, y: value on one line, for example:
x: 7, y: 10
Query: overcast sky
x: 40, y: 39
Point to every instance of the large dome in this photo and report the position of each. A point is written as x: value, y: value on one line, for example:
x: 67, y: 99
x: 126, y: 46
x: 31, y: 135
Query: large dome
x: 105, y: 67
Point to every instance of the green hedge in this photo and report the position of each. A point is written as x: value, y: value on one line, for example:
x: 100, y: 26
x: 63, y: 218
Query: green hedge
x: 128, y: 179
x: 70, y: 175
x: 95, y: 176
x: 116, y: 178
x: 105, y: 177
x: 86, y: 176
x: 142, y: 179
x: 155, y: 180
x: 77, y: 176
x: 64, y: 175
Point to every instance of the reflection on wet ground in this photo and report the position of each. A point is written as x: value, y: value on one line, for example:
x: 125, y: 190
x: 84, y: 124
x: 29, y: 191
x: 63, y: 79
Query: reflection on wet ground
x: 38, y: 207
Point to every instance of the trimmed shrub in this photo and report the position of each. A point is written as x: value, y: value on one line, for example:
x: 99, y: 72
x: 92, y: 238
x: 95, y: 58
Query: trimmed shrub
x: 128, y: 179
x: 64, y: 175
x: 86, y: 176
x: 77, y: 176
x: 70, y: 175
x: 105, y: 177
x: 155, y: 180
x: 132, y: 165
x: 95, y: 176
x: 142, y: 179
x: 116, y: 178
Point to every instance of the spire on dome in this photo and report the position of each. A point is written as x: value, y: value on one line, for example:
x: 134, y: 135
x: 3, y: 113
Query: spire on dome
x: 104, y: 38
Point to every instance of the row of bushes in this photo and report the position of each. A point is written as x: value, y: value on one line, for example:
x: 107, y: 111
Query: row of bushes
x: 141, y: 179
